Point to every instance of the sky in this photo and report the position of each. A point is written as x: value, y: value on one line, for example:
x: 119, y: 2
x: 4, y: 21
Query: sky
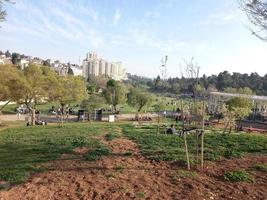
x: 138, y: 33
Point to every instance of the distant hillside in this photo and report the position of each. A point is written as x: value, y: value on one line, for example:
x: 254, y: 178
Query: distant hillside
x: 224, y: 81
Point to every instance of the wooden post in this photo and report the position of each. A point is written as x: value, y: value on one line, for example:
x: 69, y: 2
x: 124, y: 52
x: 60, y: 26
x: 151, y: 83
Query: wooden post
x: 158, y: 121
x: 202, y: 135
x: 185, y: 141
x: 186, y: 151
x: 197, y: 144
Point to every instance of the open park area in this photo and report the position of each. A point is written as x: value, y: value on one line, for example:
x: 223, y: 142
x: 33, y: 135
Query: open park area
x: 119, y: 100
x: 100, y: 160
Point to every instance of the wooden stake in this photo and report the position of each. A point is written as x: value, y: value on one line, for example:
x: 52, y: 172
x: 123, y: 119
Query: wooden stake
x: 185, y: 141
x: 202, y: 135
x: 186, y: 151
x: 197, y: 143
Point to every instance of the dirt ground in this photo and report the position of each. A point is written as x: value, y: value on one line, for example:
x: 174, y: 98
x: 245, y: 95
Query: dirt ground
x: 133, y: 177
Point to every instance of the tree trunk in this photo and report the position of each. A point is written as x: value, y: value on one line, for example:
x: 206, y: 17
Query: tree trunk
x: 62, y: 113
x: 3, y: 106
x: 32, y: 116
x: 226, y: 126
x: 88, y: 114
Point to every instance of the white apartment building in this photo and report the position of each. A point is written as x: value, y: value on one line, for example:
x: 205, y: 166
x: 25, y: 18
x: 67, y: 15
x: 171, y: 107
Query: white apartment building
x: 93, y: 65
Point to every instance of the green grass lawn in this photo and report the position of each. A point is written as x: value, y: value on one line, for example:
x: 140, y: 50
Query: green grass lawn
x: 217, y: 145
x: 43, y: 108
x: 23, y: 149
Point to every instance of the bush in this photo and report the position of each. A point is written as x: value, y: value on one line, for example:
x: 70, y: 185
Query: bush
x: 97, y: 153
x: 238, y: 176
x: 110, y: 137
x: 260, y: 167
x: 78, y: 141
x: 230, y: 153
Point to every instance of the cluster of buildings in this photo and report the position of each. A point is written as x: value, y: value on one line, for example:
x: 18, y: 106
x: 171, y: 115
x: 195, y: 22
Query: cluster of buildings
x: 93, y: 65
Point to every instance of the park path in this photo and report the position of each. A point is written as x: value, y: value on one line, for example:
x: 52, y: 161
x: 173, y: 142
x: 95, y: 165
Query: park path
x: 118, y: 176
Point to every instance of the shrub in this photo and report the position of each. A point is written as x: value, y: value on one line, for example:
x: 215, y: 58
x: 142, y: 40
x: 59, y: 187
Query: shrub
x: 260, y: 167
x: 97, y: 153
x: 110, y: 137
x: 230, y: 153
x: 238, y: 176
x: 78, y: 141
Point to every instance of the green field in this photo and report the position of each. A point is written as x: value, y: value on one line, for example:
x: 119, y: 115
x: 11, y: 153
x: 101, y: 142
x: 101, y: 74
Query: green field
x: 24, y: 149
x: 217, y: 145
x: 125, y: 108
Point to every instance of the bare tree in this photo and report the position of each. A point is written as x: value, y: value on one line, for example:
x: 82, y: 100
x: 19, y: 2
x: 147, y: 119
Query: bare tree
x: 190, y: 70
x: 256, y: 11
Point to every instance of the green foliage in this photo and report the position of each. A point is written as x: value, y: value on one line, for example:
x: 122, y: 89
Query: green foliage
x: 245, y: 90
x: 93, y: 102
x: 110, y: 136
x: 66, y: 89
x: 238, y: 176
x: 10, y: 83
x: 253, y: 82
x: 230, y: 153
x: 170, y: 147
x: 97, y: 153
x: 115, y: 95
x: 138, y: 99
x: 111, y: 83
x: 260, y: 167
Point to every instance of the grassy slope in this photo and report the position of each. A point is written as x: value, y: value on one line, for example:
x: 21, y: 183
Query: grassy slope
x: 22, y: 149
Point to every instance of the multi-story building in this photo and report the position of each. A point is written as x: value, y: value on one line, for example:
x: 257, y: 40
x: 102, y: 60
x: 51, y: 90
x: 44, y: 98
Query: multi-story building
x: 93, y: 65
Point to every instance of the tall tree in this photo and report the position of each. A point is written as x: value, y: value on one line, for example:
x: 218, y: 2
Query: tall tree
x: 234, y: 109
x: 34, y: 87
x: 67, y: 89
x: 138, y: 99
x: 115, y: 95
x: 93, y: 102
x: 10, y: 82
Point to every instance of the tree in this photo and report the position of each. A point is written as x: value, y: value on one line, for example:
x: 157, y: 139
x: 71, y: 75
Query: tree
x: 66, y: 89
x: 234, y: 109
x: 115, y: 95
x: 34, y: 86
x: 111, y: 83
x: 15, y: 58
x: 138, y: 99
x: 70, y: 71
x: 256, y: 11
x: 93, y: 102
x: 10, y: 80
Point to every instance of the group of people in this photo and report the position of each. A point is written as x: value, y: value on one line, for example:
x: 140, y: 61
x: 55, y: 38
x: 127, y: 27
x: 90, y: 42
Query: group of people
x: 142, y: 118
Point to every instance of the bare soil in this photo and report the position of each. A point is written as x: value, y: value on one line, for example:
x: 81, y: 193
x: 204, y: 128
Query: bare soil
x: 133, y: 177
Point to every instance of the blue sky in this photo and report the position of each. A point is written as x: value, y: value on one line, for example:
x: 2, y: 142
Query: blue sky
x: 137, y: 32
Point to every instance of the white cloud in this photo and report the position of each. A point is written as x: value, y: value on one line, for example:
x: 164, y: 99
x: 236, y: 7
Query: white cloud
x: 116, y: 17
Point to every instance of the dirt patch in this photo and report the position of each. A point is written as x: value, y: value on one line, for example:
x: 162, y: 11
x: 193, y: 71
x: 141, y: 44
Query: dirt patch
x: 81, y: 150
x: 131, y: 176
